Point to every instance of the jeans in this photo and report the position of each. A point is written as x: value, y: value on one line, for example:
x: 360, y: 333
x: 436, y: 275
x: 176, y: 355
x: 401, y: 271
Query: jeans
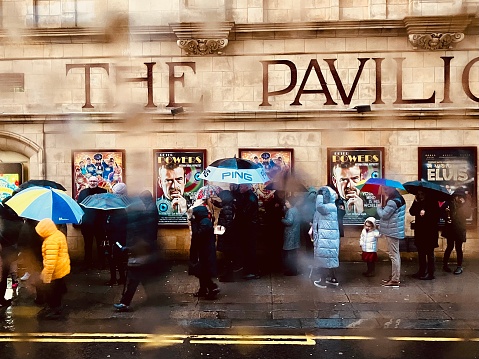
x: 395, y: 256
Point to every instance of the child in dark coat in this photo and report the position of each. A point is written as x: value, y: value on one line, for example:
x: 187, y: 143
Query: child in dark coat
x: 203, y: 252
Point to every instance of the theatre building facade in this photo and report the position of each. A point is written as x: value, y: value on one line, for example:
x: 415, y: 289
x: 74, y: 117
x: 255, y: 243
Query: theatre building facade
x: 330, y: 92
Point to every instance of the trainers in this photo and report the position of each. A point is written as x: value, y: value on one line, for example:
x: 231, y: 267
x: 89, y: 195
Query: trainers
x: 25, y: 276
x: 332, y: 281
x: 317, y: 283
x: 458, y: 270
x: 391, y: 284
x: 120, y: 307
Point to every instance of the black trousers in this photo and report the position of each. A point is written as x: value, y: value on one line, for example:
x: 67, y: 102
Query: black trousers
x: 426, y: 261
x: 91, y: 235
x: 54, y: 292
x: 451, y: 243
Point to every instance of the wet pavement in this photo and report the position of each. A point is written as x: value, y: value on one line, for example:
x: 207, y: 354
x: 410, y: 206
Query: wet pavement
x: 448, y: 302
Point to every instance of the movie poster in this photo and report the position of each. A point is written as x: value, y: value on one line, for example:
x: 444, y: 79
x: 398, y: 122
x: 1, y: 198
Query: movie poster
x: 452, y: 168
x: 177, y: 182
x: 106, y: 165
x: 346, y: 168
x: 10, y: 178
x: 277, y: 163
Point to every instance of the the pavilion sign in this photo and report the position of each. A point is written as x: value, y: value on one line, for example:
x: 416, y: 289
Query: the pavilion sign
x: 313, y: 72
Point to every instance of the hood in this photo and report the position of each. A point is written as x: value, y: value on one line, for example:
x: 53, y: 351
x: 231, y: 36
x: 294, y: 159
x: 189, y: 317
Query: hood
x: 372, y: 220
x: 329, y: 194
x: 46, y: 228
x: 200, y: 213
x: 226, y: 197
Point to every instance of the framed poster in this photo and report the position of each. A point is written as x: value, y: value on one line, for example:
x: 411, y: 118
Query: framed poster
x: 11, y: 176
x: 348, y: 166
x: 277, y: 162
x: 107, y: 165
x: 452, y: 168
x: 177, y: 182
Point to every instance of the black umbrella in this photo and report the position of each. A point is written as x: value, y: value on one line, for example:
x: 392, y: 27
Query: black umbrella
x: 430, y: 188
x: 40, y: 183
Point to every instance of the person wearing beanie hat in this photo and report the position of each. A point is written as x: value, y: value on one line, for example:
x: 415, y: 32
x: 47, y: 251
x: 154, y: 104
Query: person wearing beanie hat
x: 119, y: 188
x: 369, y: 244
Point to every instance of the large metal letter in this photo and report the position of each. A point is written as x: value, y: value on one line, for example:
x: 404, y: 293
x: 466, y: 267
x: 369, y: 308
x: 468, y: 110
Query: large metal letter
x: 181, y: 79
x: 87, y: 68
x: 324, y: 87
x: 292, y: 82
x: 399, y: 99
x: 465, y: 80
x: 149, y: 80
x: 339, y: 84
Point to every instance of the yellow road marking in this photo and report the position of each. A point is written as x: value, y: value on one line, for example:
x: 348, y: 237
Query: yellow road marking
x: 153, y: 340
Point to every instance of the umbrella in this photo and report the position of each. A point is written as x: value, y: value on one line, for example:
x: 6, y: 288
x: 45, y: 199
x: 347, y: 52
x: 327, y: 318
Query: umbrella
x: 40, y: 183
x: 235, y: 170
x: 210, y: 190
x: 287, y: 184
x: 433, y: 189
x: 41, y: 202
x: 373, y: 184
x: 106, y: 201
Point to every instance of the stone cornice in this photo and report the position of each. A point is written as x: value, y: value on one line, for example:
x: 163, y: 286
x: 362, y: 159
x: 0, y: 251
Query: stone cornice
x: 237, y: 32
x: 317, y: 116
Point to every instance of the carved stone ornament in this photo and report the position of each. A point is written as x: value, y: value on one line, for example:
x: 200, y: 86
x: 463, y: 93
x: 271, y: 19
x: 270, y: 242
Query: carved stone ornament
x: 436, y: 32
x: 202, y: 46
x: 197, y: 38
x: 435, y: 41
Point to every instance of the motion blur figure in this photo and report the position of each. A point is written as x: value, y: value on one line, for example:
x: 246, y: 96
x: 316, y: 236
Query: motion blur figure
x: 144, y: 261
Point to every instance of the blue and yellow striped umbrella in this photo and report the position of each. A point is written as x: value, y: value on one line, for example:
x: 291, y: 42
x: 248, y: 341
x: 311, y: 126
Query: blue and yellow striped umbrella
x: 44, y: 202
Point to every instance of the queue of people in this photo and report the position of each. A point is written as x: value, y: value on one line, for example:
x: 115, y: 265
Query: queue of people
x: 127, y: 240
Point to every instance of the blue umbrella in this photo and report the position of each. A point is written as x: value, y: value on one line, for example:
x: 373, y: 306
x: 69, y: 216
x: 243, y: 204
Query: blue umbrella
x: 373, y: 184
x: 106, y: 201
x: 41, y: 202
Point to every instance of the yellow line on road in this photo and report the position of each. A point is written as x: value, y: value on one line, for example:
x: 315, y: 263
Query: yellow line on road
x: 155, y: 340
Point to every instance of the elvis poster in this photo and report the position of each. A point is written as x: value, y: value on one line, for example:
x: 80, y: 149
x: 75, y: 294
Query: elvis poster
x: 452, y: 168
x: 348, y: 167
x: 177, y: 182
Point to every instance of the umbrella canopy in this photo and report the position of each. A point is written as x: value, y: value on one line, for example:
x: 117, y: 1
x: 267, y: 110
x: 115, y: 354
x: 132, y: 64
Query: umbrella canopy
x: 235, y: 170
x: 208, y: 191
x: 287, y: 184
x: 373, y: 185
x: 41, y: 202
x: 106, y: 201
x: 40, y: 183
x: 430, y: 188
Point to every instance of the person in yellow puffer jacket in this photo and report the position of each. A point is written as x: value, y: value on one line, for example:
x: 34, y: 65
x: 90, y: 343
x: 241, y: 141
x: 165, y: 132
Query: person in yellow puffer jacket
x: 56, y: 265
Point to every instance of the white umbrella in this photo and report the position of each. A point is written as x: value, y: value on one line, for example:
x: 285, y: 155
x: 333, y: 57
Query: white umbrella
x: 235, y: 170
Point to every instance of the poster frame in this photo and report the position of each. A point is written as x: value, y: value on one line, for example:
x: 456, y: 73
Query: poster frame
x: 351, y: 221
x: 181, y: 220
x: 106, y: 153
x: 453, y: 152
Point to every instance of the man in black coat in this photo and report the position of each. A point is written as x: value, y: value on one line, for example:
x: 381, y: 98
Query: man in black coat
x: 92, y: 225
x: 426, y: 212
